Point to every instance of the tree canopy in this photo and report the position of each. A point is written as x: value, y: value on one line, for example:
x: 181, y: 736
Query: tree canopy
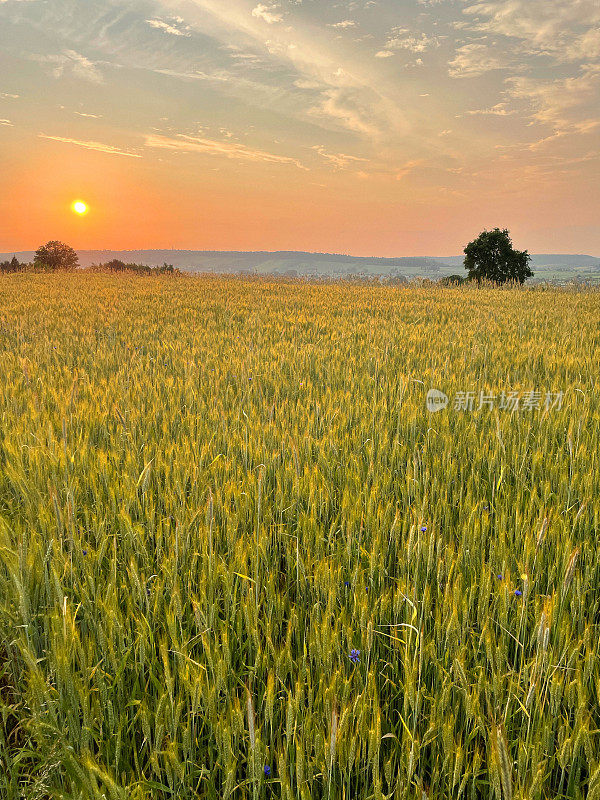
x: 492, y: 257
x: 55, y: 256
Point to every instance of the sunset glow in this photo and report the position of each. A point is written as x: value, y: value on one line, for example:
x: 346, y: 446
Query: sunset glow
x: 79, y: 207
x: 387, y: 127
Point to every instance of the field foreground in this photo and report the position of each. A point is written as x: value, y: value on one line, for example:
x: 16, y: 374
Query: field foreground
x: 213, y: 491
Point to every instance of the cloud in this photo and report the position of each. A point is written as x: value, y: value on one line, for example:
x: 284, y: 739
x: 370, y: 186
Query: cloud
x: 586, y: 46
x: 346, y: 23
x: 345, y: 108
x: 90, y: 116
x: 307, y: 84
x: 8, y: 96
x: 73, y: 62
x: 514, y: 34
x: 268, y: 14
x: 338, y: 160
x: 402, y: 39
x: 350, y: 93
x: 168, y: 28
x: 5, y: 122
x: 99, y: 146
x: 567, y: 31
x: 415, y: 44
x: 231, y: 150
x: 555, y: 101
x: 407, y: 168
x: 499, y: 110
x: 475, y: 59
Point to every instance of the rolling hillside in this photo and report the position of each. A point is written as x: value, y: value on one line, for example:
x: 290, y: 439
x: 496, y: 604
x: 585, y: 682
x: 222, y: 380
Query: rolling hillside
x: 550, y: 267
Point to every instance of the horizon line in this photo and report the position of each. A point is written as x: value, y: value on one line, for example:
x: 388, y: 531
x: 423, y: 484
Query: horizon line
x: 269, y: 252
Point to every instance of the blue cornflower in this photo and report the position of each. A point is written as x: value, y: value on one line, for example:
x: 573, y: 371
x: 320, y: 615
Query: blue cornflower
x: 499, y: 576
x: 423, y: 528
x: 267, y: 771
x: 354, y: 656
x: 84, y: 552
x: 518, y: 593
x: 346, y: 583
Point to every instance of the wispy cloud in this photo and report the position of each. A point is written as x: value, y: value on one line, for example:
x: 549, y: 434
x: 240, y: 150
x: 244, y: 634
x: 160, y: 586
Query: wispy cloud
x: 5, y: 122
x: 499, y: 110
x: 563, y: 102
x: 231, y: 150
x: 70, y: 61
x: 99, y: 146
x: 173, y: 29
x: 474, y: 59
x: 566, y: 31
x: 407, y: 168
x: 345, y: 23
x: 403, y: 39
x: 269, y: 14
x: 348, y: 94
x: 344, y: 108
x: 338, y: 160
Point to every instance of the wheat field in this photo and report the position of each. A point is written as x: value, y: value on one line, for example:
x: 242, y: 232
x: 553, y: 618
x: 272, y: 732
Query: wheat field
x: 239, y: 558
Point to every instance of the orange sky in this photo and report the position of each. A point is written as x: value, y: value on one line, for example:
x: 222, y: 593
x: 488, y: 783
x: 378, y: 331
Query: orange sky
x: 284, y: 126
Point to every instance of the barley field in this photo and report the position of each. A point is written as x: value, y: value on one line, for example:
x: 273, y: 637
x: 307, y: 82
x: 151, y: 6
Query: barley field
x: 239, y: 558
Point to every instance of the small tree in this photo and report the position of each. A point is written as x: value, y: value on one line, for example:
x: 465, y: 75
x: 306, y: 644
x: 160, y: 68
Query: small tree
x: 491, y: 257
x: 55, y: 256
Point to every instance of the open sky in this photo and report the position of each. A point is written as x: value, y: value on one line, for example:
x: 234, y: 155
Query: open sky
x: 371, y: 127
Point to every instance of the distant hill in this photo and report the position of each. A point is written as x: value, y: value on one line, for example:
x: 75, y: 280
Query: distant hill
x: 538, y: 260
x: 291, y: 263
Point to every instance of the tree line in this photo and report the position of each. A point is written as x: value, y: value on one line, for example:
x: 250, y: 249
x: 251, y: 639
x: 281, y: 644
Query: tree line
x: 59, y: 257
x: 489, y: 257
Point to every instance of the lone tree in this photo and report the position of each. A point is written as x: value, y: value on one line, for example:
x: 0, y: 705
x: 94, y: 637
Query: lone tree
x: 491, y: 257
x: 55, y: 256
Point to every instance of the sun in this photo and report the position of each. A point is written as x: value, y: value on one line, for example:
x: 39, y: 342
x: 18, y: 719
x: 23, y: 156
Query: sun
x: 79, y: 207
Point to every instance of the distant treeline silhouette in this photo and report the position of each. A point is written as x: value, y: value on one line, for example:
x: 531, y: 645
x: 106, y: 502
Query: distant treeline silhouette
x: 59, y: 257
x: 12, y: 266
x: 116, y: 265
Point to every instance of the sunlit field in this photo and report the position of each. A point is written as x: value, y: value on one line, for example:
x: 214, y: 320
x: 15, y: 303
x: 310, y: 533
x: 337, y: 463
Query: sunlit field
x: 239, y: 558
